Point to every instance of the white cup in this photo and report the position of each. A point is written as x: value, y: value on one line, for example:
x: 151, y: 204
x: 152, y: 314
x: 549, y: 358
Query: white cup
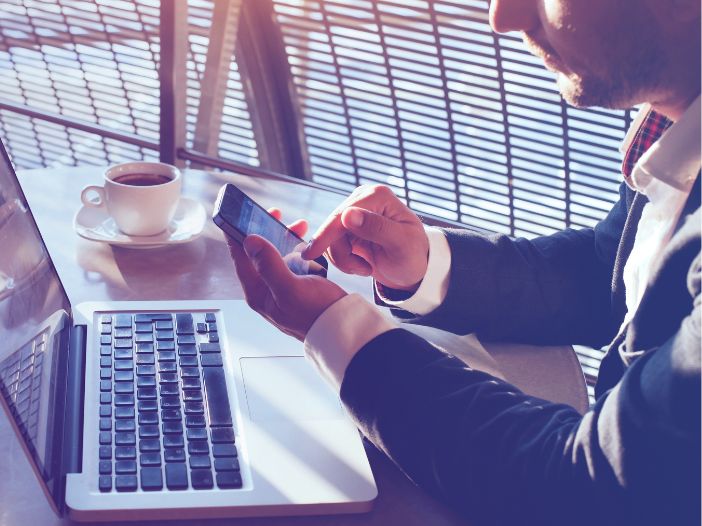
x: 139, y: 206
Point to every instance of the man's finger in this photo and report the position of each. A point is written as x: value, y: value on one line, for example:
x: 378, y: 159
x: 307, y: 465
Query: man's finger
x: 248, y: 276
x: 330, y: 231
x: 371, y: 226
x: 341, y: 255
x: 299, y: 227
x: 268, y: 263
x: 275, y: 212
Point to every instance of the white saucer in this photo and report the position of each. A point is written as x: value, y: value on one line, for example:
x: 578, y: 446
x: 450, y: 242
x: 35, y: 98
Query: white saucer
x: 96, y: 225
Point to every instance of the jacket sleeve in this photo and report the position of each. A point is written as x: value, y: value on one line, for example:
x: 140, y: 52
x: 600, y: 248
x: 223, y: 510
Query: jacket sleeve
x: 550, y: 290
x: 502, y: 457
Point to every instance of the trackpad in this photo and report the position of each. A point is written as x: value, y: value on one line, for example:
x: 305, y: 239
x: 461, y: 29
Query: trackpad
x: 287, y: 388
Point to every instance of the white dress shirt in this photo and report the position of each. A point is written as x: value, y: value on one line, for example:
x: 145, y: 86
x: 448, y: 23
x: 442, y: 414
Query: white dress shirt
x: 665, y: 174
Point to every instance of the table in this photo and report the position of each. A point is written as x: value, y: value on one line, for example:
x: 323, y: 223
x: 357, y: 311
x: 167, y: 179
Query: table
x: 198, y: 270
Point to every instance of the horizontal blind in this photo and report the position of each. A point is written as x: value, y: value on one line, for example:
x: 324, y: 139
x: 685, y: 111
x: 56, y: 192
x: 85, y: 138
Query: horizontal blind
x: 463, y: 124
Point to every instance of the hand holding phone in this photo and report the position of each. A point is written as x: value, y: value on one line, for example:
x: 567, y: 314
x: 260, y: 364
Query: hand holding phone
x: 239, y: 216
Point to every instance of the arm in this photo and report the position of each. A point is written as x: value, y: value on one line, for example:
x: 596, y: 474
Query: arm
x: 550, y: 290
x: 503, y: 457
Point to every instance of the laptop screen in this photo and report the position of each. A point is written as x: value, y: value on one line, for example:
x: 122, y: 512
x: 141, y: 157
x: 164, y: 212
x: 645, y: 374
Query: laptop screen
x: 34, y: 313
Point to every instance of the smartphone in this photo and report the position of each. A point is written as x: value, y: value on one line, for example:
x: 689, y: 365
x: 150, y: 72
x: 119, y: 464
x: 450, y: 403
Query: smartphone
x: 239, y: 216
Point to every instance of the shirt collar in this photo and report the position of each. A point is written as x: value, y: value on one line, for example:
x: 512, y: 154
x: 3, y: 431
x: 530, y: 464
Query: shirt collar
x: 655, y: 147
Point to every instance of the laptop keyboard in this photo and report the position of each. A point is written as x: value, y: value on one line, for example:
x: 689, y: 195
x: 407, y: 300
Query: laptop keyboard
x: 21, y: 374
x: 165, y: 419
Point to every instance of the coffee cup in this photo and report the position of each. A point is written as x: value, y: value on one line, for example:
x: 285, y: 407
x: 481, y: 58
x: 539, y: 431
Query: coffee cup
x: 141, y: 197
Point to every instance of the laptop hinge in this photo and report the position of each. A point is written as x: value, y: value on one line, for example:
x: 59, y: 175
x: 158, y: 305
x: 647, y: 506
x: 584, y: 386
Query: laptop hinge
x: 75, y: 395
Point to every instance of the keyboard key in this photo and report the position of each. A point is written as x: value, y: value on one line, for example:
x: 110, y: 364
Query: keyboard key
x: 169, y: 390
x: 125, y: 453
x: 147, y: 406
x: 142, y: 348
x: 105, y: 452
x: 210, y: 317
x: 106, y: 318
x: 105, y: 483
x: 194, y: 421
x: 176, y: 476
x: 124, y: 344
x: 211, y: 360
x: 122, y: 332
x: 125, y: 439
x: 105, y: 374
x: 146, y: 381
x: 124, y: 399
x: 167, y: 367
x: 126, y: 483
x: 125, y: 467
x: 165, y: 345
x: 194, y: 408
x: 187, y: 339
x: 222, y: 435
x: 144, y: 337
x: 171, y: 414
x: 198, y: 448
x: 105, y: 328
x: 105, y: 424
x: 201, y: 328
x: 149, y: 444
x: 105, y: 350
x: 123, y: 320
x: 190, y: 383
x: 196, y: 462
x: 189, y: 372
x: 124, y: 376
x: 210, y: 348
x: 123, y: 354
x: 211, y: 327
x: 148, y: 418
x: 105, y: 361
x: 168, y: 378
x: 124, y: 412
x: 145, y: 359
x: 166, y: 356
x: 188, y: 361
x: 164, y: 335
x: 192, y: 395
x: 224, y: 450
x: 152, y: 316
x: 144, y: 326
x: 146, y: 393
x: 148, y: 431
x: 124, y: 387
x: 105, y: 438
x: 197, y: 433
x: 170, y: 441
x: 218, y: 411
x: 170, y: 402
x: 164, y: 325
x: 213, y: 337
x: 184, y: 323
x: 105, y: 385
x: 201, y: 479
x: 151, y: 479
x: 127, y: 425
x: 105, y: 339
x: 150, y: 459
x: 229, y: 479
x: 187, y: 350
x: 172, y: 428
x: 145, y: 370
x: 226, y: 464
x: 174, y: 455
x: 122, y: 365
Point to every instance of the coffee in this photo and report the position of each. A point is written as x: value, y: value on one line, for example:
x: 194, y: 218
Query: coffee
x: 142, y: 179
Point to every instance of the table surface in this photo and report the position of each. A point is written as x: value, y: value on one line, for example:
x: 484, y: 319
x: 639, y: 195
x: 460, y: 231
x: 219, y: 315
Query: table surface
x: 201, y: 269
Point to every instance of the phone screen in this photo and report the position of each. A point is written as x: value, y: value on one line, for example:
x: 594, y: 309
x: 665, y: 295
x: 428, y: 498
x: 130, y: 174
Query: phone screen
x: 235, y: 210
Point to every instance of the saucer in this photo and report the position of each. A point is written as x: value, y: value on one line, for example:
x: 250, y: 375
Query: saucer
x: 96, y: 225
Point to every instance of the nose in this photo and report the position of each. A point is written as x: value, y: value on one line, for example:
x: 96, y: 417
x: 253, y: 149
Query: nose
x: 513, y: 15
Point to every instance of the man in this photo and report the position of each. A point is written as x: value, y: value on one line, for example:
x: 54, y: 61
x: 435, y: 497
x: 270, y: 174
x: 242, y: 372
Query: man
x: 634, y: 280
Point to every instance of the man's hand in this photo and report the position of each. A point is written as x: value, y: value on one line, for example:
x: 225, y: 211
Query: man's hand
x: 290, y: 302
x: 373, y: 233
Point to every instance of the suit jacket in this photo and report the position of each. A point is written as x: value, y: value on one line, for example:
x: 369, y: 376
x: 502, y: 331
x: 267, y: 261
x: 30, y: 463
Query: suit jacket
x: 503, y: 457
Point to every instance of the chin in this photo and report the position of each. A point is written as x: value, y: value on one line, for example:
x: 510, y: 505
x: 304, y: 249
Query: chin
x: 585, y: 93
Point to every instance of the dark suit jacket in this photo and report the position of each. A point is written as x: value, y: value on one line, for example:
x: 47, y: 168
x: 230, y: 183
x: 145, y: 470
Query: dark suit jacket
x: 504, y: 457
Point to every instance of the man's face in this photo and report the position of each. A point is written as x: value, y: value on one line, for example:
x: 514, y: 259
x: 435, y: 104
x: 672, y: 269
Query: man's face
x: 605, y: 53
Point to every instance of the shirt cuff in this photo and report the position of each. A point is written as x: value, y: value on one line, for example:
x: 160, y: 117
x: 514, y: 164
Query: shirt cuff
x: 340, y: 332
x: 433, y: 288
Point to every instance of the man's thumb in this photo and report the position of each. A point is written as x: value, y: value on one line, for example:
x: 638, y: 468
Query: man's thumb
x: 370, y: 226
x: 268, y: 263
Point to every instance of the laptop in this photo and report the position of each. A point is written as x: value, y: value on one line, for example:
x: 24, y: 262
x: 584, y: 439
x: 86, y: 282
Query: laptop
x: 156, y: 410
